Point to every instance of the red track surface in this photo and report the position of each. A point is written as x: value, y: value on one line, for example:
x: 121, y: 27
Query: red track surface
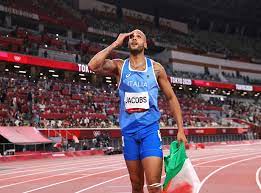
x: 221, y: 169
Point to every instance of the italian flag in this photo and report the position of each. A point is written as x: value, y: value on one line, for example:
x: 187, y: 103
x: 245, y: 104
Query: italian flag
x: 180, y: 174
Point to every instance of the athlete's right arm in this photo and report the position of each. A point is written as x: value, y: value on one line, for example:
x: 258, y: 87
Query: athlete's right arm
x: 101, y: 65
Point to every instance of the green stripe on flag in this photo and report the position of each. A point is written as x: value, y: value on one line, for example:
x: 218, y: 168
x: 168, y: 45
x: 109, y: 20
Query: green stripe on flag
x: 174, y: 161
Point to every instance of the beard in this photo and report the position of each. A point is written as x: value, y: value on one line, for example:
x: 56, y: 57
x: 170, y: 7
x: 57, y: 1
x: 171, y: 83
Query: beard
x: 136, y: 51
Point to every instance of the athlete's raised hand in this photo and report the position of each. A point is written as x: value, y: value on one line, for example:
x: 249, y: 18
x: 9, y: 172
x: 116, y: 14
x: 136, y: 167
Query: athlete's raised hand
x: 119, y: 41
x: 100, y: 64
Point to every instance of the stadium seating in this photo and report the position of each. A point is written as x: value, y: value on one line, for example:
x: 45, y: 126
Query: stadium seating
x: 56, y: 105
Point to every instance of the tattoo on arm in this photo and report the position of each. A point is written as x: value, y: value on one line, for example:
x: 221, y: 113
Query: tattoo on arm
x: 109, y: 67
x: 157, y: 69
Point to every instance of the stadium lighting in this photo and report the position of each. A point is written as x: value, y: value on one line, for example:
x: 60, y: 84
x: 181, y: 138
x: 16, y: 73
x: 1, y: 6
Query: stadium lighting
x: 56, y: 38
x: 15, y: 66
x: 109, y: 81
x: 107, y: 77
x: 83, y: 78
x: 57, y: 35
x: 51, y: 71
x: 41, y: 74
x: 45, y: 46
x: 81, y: 74
x: 190, y: 88
x: 22, y: 72
x: 7, y: 35
x: 6, y: 70
x: 55, y: 75
x: 180, y: 88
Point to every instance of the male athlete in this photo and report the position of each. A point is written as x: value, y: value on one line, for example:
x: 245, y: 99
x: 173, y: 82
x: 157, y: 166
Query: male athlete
x: 139, y: 79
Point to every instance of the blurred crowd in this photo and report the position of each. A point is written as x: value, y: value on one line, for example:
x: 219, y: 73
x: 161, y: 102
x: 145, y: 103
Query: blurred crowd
x: 207, y: 42
x: 53, y: 103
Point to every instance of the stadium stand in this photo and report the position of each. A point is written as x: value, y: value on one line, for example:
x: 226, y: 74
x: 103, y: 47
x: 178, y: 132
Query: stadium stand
x: 34, y: 97
x: 58, y: 104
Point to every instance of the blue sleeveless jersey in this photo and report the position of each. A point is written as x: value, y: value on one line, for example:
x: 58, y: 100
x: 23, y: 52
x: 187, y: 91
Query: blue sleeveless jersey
x: 138, y: 92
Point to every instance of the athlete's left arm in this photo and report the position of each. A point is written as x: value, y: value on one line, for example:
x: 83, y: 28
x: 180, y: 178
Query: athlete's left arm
x: 174, y: 105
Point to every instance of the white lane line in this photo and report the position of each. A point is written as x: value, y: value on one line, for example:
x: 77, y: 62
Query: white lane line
x: 44, y: 167
x: 73, y: 179
x: 220, y: 155
x: 120, y: 186
x: 52, y: 164
x: 88, y: 175
x: 76, y: 167
x: 58, y: 162
x: 195, y: 165
x: 162, y: 176
x: 225, y: 158
x: 67, y: 173
x: 249, y: 149
x: 247, y: 144
x: 55, y: 170
x: 208, y: 166
x: 63, y: 160
x: 47, y: 177
x: 257, y: 178
x: 113, y: 179
x: 223, y: 167
x: 83, y: 177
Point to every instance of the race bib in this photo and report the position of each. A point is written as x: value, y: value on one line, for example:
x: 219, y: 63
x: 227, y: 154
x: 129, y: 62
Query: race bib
x: 136, y: 102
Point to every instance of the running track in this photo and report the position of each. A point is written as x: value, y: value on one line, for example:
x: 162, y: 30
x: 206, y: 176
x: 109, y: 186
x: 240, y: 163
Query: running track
x: 221, y: 169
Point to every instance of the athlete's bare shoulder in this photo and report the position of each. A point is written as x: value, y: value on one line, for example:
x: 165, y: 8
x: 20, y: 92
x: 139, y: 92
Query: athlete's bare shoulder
x: 110, y: 67
x: 119, y: 63
x: 158, y: 68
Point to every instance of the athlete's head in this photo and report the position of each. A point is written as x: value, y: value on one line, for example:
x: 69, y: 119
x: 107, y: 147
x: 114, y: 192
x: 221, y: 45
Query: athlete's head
x: 137, y: 42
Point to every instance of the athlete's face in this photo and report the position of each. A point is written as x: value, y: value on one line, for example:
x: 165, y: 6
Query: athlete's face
x: 137, y: 42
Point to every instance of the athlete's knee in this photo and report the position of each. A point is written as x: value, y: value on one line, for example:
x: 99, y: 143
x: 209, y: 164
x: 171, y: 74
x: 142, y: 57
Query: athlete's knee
x: 137, y: 187
x: 154, y: 188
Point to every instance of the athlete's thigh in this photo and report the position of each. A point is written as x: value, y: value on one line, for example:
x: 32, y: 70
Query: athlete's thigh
x: 151, y: 145
x: 131, y: 148
x: 153, y: 169
x: 151, y: 153
x: 136, y: 172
